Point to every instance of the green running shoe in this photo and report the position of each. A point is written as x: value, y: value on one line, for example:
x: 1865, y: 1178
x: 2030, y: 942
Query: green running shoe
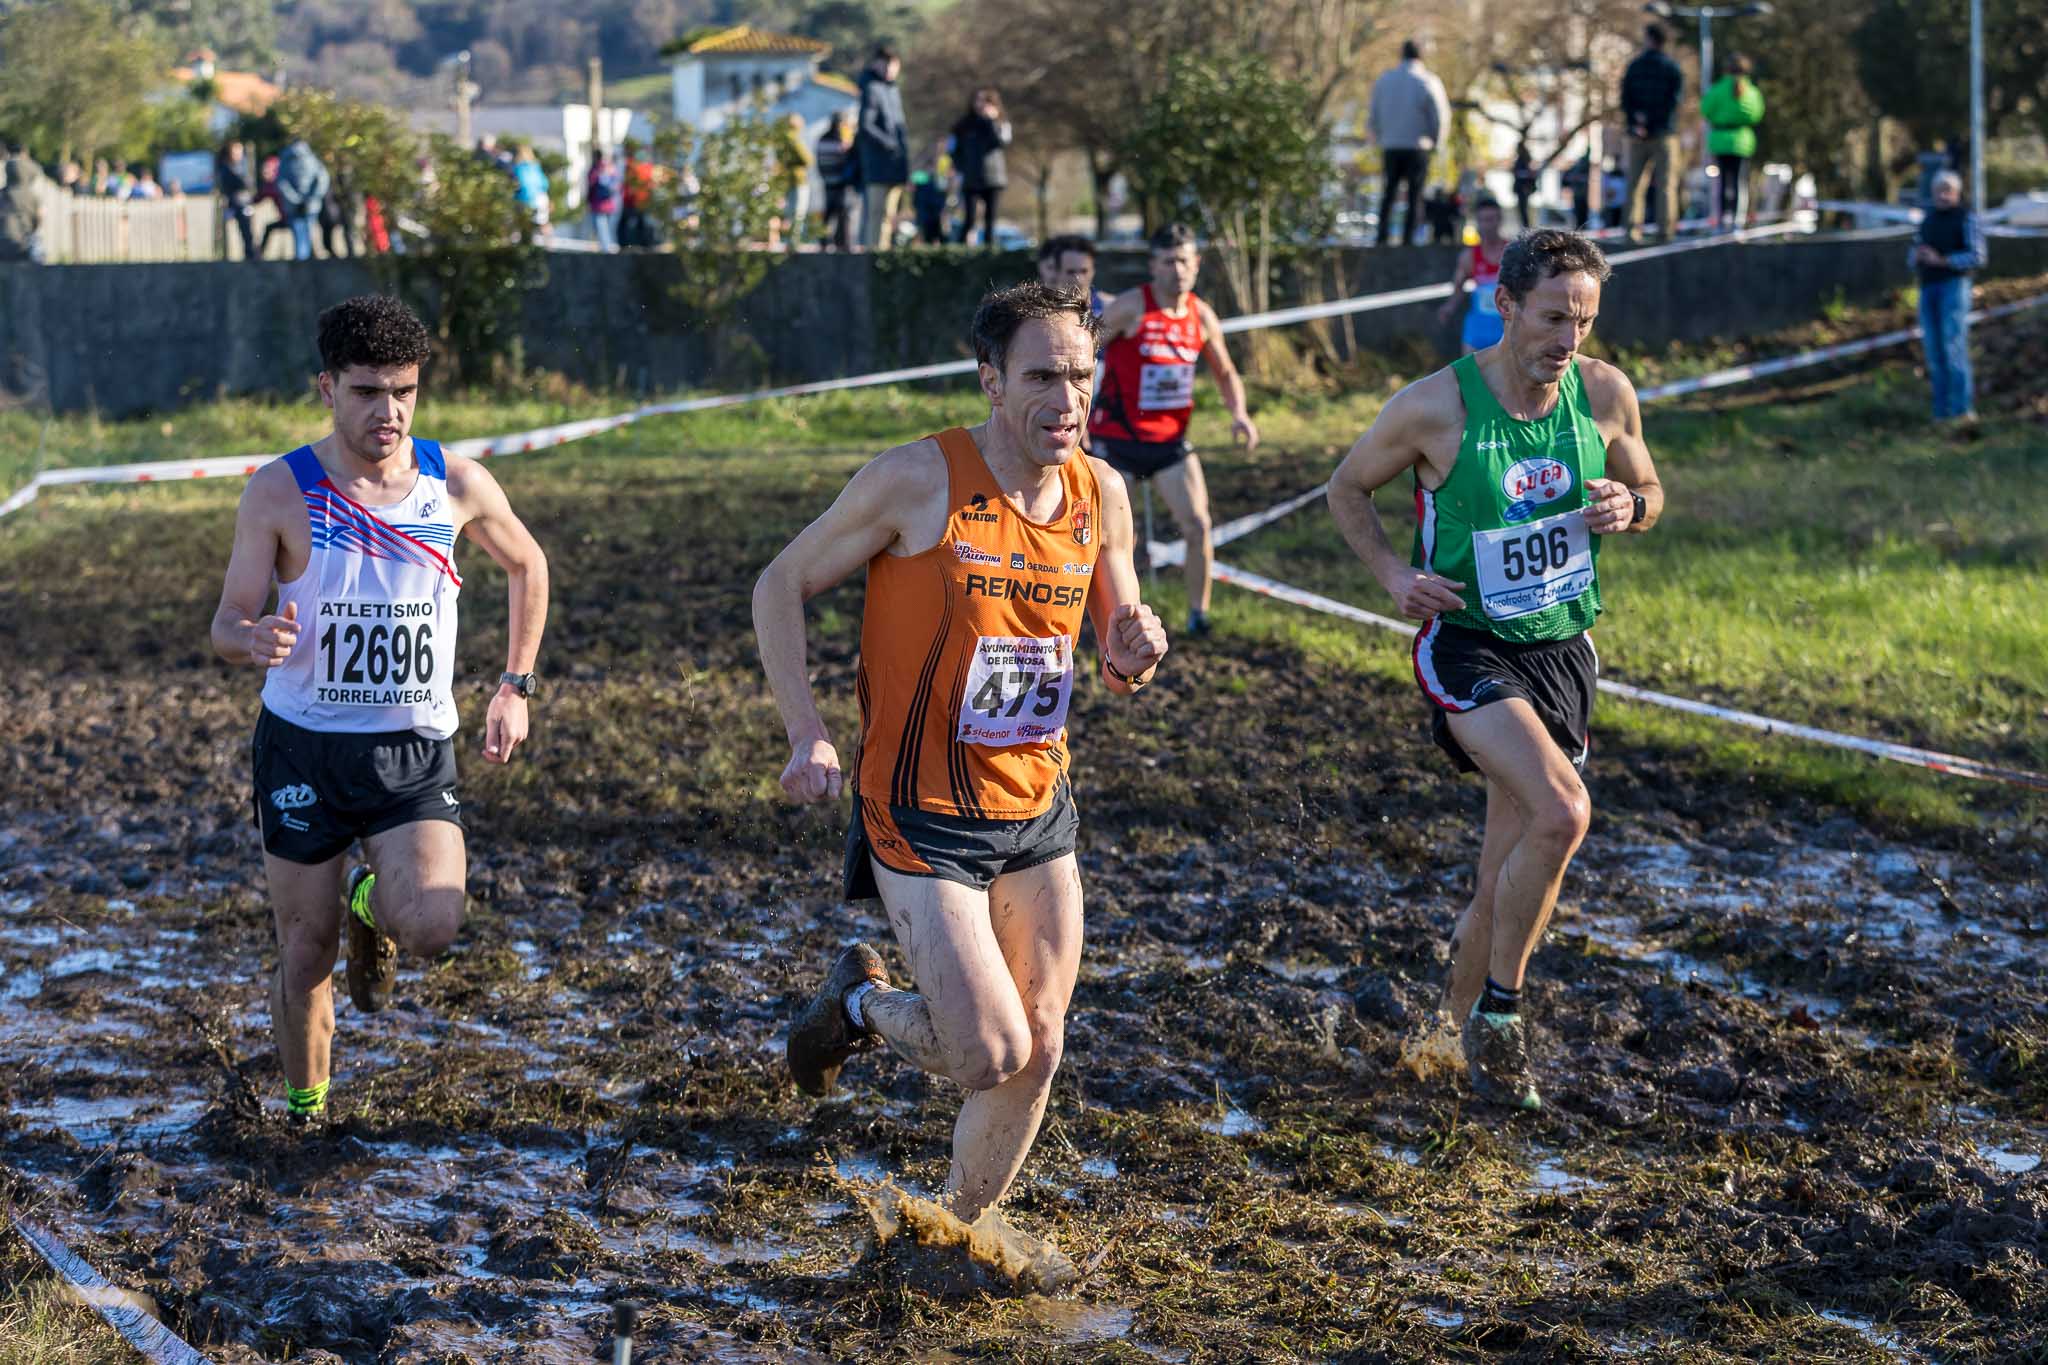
x: 1497, y: 1060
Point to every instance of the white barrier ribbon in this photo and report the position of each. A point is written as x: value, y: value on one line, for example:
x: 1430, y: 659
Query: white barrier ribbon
x: 540, y: 438
x: 158, y: 1344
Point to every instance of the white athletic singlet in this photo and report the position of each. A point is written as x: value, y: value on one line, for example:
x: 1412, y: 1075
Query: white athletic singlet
x: 376, y: 650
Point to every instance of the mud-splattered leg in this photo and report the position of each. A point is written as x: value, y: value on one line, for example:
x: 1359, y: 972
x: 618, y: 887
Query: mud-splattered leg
x: 1517, y: 754
x: 1037, y: 917
x: 1472, y: 939
x: 305, y: 901
x: 994, y: 972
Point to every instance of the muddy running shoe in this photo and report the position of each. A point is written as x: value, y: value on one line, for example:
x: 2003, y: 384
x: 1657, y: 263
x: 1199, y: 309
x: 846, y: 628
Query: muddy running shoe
x: 372, y: 958
x: 822, y: 1037
x: 1497, y: 1059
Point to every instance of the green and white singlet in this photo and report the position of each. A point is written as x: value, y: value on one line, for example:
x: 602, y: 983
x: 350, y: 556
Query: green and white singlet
x: 1507, y: 522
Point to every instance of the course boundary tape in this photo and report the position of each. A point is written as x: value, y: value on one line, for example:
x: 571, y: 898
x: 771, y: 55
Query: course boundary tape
x: 540, y: 438
x: 1175, y: 552
x: 1898, y: 753
x: 158, y: 1344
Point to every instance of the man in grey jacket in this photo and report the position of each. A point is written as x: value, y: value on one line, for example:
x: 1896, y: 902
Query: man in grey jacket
x: 302, y: 183
x: 882, y: 148
x: 1410, y: 115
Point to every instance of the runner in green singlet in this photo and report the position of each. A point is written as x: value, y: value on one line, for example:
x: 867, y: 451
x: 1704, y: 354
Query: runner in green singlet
x: 1525, y: 456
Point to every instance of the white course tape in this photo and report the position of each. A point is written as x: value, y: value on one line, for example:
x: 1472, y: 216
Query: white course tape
x: 1898, y: 753
x: 158, y: 471
x: 158, y: 1344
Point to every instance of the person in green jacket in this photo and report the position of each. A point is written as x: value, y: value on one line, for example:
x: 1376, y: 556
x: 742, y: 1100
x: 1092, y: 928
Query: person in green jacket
x: 1733, y: 107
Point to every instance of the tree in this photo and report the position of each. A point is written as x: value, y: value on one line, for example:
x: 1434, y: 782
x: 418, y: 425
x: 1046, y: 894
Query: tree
x: 852, y: 27
x: 74, y: 74
x: 1237, y: 151
x: 1914, y: 58
x: 367, y: 147
x: 1806, y: 63
x: 471, y: 261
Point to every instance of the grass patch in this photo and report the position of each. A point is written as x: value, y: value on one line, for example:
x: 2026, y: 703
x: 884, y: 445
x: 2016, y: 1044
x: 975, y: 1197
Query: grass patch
x: 40, y: 1323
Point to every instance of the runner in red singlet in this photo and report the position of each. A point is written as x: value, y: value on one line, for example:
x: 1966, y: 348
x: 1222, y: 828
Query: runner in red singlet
x: 1152, y: 337
x: 1480, y: 265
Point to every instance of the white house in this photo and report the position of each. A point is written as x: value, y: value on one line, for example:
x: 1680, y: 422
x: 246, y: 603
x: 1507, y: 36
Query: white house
x: 720, y: 74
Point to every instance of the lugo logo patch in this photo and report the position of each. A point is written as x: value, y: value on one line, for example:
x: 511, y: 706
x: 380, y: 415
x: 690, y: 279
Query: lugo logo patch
x: 1532, y: 485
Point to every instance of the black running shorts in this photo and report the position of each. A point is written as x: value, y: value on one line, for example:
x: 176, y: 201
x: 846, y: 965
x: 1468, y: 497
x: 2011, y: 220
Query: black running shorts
x: 1461, y: 670
x: 1140, y: 459
x: 318, y: 792
x: 954, y: 848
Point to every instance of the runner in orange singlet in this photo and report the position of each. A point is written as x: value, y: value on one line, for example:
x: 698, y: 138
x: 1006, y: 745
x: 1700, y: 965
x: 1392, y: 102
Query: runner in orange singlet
x: 984, y: 548
x: 1152, y: 336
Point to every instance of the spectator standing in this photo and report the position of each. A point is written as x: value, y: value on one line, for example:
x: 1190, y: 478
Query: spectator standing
x: 142, y: 184
x: 1947, y: 250
x: 979, y: 140
x: 236, y: 186
x: 882, y: 148
x: 931, y: 189
x: 1650, y: 90
x: 531, y: 186
x: 838, y: 169
x: 636, y: 192
x: 603, y: 190
x: 1733, y: 106
x: 1525, y: 185
x: 337, y: 211
x: 1613, y: 193
x: 267, y: 192
x: 1410, y: 115
x: 794, y: 162
x: 376, y: 231
x: 302, y: 184
x: 21, y: 209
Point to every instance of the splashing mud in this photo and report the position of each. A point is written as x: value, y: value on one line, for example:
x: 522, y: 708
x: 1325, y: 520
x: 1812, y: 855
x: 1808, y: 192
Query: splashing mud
x: 940, y: 1254
x: 1435, y: 1052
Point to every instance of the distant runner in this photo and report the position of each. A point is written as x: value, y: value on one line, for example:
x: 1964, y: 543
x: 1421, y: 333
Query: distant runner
x: 1068, y: 262
x: 983, y: 547
x: 1152, y: 337
x: 1480, y: 266
x: 1525, y: 456
x: 354, y: 742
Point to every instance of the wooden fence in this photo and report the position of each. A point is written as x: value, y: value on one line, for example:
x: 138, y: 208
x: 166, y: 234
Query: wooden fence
x: 79, y: 228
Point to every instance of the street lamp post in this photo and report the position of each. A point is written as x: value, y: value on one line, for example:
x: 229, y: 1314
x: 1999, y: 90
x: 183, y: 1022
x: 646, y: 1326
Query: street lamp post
x: 1706, y: 14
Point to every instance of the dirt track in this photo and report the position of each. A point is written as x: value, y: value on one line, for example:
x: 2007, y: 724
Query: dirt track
x: 1793, y: 1064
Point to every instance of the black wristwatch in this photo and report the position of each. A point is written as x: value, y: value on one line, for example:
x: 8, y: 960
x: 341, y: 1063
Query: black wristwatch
x: 1642, y: 509
x: 522, y: 683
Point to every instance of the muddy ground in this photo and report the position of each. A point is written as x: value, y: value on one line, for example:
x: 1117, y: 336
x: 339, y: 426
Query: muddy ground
x: 1798, y: 1067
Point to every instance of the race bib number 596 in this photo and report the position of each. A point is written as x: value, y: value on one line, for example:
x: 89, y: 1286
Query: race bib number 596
x: 1524, y: 569
x: 1017, y: 690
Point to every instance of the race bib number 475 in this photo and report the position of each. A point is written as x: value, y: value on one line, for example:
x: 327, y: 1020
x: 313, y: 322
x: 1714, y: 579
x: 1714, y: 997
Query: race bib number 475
x: 375, y: 653
x: 1524, y: 569
x: 1017, y: 690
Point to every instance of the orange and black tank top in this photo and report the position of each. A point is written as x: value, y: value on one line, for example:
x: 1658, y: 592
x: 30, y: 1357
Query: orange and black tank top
x: 967, y: 650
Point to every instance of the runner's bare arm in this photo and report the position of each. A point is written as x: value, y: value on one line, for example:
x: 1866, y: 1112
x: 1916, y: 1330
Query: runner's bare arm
x: 1458, y: 278
x: 242, y: 634
x: 871, y: 513
x: 1228, y: 382
x: 1121, y: 316
x: 1610, y: 501
x: 1128, y: 632
x: 1398, y: 441
x: 488, y: 519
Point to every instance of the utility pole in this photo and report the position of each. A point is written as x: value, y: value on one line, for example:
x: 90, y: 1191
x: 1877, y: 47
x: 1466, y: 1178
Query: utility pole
x: 1977, y: 147
x: 595, y: 83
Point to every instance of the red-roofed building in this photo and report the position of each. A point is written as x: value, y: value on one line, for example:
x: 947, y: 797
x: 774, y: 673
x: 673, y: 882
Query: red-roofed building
x: 723, y: 73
